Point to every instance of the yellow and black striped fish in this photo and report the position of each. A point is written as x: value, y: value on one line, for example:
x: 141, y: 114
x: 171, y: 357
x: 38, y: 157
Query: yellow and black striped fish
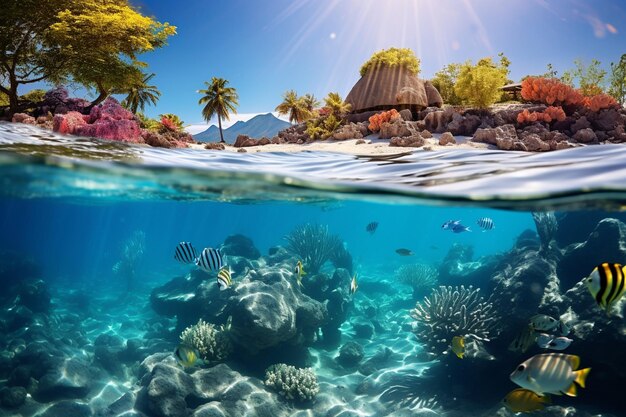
x: 606, y: 283
x: 224, y: 279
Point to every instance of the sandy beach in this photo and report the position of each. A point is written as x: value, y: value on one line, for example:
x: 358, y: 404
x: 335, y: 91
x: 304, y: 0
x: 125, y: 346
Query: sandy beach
x: 372, y: 146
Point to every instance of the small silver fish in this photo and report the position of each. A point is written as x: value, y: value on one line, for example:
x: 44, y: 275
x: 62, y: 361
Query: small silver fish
x: 450, y: 224
x: 459, y: 228
x: 543, y: 323
x: 546, y: 341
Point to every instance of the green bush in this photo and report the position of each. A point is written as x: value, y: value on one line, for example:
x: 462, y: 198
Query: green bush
x: 479, y: 85
x: 393, y: 57
x: 323, y: 127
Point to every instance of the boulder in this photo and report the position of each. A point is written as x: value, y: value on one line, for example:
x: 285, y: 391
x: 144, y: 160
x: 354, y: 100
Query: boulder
x: 263, y: 142
x: 349, y: 131
x: 397, y: 128
x: 414, y: 141
x: 446, y: 138
x: 384, y: 88
x: 12, y: 397
x: 240, y: 245
x: 534, y: 143
x: 244, y: 140
x: 586, y: 135
x: 501, y: 136
x: 406, y: 115
x: 580, y: 124
x: 432, y: 95
x: 437, y: 121
x: 607, y: 119
x: 350, y: 354
x: 23, y: 118
x: 68, y: 408
x: 464, y: 125
x: 67, y: 378
x: 68, y: 123
x: 426, y: 134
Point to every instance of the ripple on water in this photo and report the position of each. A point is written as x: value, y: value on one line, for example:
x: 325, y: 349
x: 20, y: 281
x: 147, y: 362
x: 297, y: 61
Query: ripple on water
x: 39, y: 163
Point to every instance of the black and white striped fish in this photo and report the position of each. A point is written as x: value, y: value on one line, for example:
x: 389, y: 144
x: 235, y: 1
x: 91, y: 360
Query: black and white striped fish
x: 485, y: 223
x: 210, y: 260
x: 607, y: 284
x: 224, y: 279
x: 185, y: 253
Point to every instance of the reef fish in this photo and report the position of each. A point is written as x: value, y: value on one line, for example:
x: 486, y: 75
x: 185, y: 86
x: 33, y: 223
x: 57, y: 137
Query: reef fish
x: 353, y: 285
x: 546, y: 341
x: 459, y: 228
x: 523, y: 341
x: 458, y: 346
x: 210, y: 260
x: 186, y: 356
x: 543, y: 323
x: 185, y: 253
x: 606, y: 284
x: 299, y: 271
x: 522, y: 400
x: 224, y: 279
x: 449, y: 224
x: 371, y: 228
x: 485, y: 223
x: 404, y: 252
x: 551, y: 373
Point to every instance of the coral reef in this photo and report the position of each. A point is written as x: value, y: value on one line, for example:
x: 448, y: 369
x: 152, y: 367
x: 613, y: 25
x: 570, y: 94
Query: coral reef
x: 453, y: 311
x: 212, y: 345
x: 291, y: 382
x: 418, y: 276
x: 377, y: 120
x: 314, y: 245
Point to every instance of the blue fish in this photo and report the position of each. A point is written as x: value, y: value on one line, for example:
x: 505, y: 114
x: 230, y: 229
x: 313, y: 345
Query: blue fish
x: 459, y: 228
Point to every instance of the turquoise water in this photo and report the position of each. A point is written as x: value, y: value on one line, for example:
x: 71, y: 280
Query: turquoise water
x: 68, y: 217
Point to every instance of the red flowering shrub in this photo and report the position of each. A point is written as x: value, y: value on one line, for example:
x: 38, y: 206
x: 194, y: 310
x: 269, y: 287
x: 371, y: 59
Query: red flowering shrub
x: 550, y: 91
x: 169, y: 124
x: 378, y: 119
x: 548, y: 115
x: 599, y: 102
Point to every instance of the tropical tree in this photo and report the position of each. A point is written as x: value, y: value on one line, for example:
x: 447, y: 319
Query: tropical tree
x: 140, y: 94
x: 294, y: 106
x: 336, y: 105
x: 90, y: 42
x: 310, y: 102
x: 590, y: 78
x: 618, y: 80
x: 444, y: 81
x: 219, y: 100
x: 170, y: 121
x: 479, y: 85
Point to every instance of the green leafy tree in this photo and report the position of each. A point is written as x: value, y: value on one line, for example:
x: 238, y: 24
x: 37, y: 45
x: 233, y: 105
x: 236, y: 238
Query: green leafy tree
x: 148, y: 123
x: 479, y: 85
x: 310, y: 102
x: 91, y: 42
x: 295, y: 107
x: 550, y: 72
x: 34, y: 96
x: 617, y: 80
x: 444, y: 81
x: 393, y: 57
x: 140, y: 94
x: 590, y: 78
x: 219, y: 100
x: 336, y: 105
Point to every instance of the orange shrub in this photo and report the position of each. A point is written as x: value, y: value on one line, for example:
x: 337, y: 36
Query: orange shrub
x: 550, y: 91
x: 378, y: 119
x: 548, y: 115
x: 599, y: 102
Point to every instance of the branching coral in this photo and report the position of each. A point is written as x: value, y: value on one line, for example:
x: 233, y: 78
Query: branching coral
x: 293, y: 383
x: 418, y: 276
x: 548, y: 115
x: 314, y: 245
x: 453, y: 311
x: 377, y: 120
x: 212, y: 345
x: 550, y: 91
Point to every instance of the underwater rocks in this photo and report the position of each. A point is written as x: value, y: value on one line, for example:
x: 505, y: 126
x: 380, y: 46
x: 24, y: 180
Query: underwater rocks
x: 606, y: 243
x: 350, y: 354
x: 12, y: 397
x: 240, y: 245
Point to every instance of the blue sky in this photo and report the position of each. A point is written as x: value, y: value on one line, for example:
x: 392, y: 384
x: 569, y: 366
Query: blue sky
x: 265, y: 47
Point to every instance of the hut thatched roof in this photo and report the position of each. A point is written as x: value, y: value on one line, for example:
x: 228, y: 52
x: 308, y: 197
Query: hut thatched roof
x: 384, y: 87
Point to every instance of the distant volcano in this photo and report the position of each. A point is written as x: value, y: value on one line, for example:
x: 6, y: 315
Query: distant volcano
x: 263, y: 125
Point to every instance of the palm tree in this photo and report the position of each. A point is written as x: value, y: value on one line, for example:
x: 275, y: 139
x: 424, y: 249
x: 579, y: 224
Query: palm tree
x: 174, y: 122
x: 219, y: 100
x: 294, y: 106
x: 336, y: 105
x: 140, y: 94
x: 310, y: 102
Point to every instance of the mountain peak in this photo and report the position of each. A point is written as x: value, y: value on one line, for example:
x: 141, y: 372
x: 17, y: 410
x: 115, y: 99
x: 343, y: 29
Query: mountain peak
x: 261, y: 125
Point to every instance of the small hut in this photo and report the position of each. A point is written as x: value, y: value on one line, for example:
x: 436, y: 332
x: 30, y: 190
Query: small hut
x: 513, y: 90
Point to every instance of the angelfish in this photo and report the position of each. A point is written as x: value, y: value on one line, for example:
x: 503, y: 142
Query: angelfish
x: 353, y: 285
x: 606, y: 284
x: 458, y: 346
x: 299, y: 271
x: 551, y: 373
x: 224, y: 279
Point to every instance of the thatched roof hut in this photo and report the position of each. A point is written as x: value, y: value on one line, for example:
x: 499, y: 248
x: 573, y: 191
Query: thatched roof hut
x: 386, y: 87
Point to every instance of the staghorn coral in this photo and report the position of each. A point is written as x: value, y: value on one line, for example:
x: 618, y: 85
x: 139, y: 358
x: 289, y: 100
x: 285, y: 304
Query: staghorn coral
x: 550, y: 91
x: 378, y: 119
x: 212, y: 345
x: 453, y: 311
x: 599, y: 102
x: 314, y: 245
x: 548, y: 115
x: 292, y: 383
x: 418, y: 276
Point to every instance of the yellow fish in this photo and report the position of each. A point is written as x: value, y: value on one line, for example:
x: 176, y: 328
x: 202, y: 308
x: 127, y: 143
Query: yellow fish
x: 299, y: 271
x: 186, y: 356
x: 522, y: 400
x: 353, y: 285
x: 606, y: 283
x: 458, y: 346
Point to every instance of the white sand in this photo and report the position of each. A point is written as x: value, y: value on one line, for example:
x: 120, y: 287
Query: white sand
x: 372, y: 146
